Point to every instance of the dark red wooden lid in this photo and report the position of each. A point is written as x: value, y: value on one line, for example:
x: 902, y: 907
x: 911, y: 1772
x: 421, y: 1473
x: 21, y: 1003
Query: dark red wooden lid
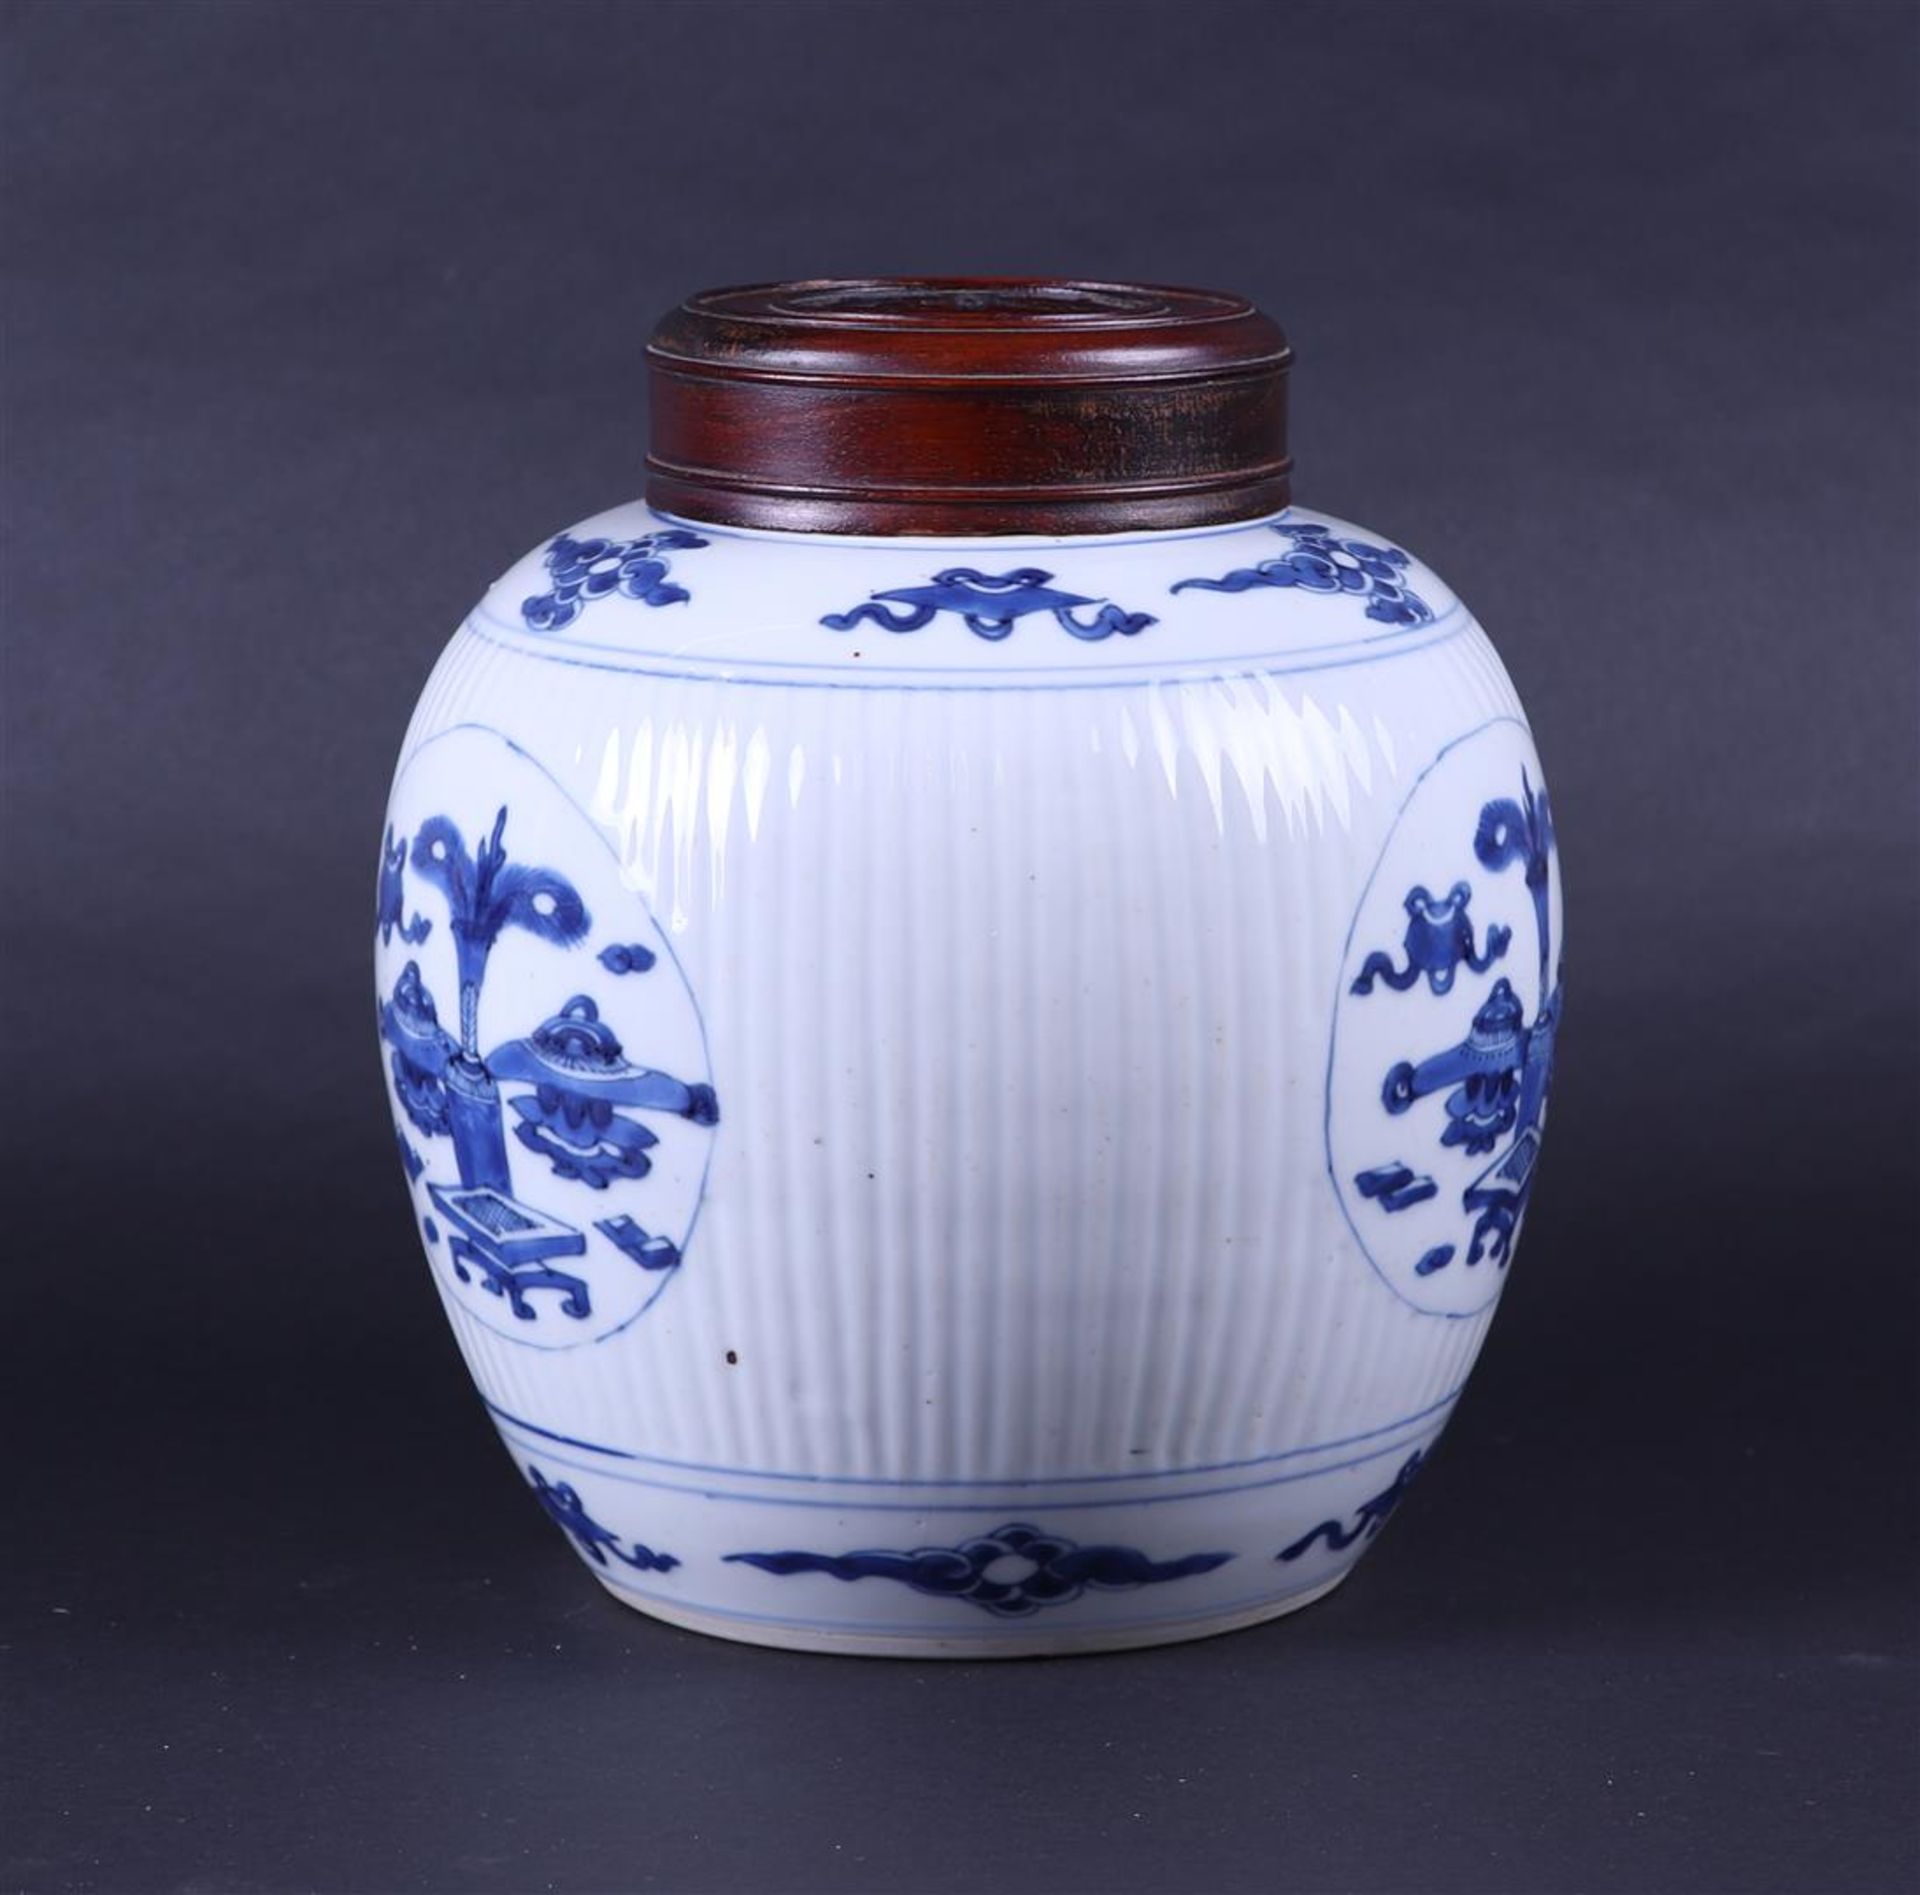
x: 960, y: 405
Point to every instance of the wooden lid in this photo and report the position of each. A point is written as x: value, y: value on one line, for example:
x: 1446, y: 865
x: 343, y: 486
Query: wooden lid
x: 964, y: 405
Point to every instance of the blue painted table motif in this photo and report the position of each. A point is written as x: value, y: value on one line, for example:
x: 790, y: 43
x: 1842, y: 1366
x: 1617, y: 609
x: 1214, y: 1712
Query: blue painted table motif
x: 511, y: 1245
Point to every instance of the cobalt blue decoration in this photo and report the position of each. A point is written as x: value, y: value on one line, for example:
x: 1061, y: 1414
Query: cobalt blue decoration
x: 573, y: 1062
x: 989, y: 603
x: 1396, y: 1187
x: 410, y: 1160
x: 512, y: 1246
x: 626, y: 957
x: 590, y: 569
x: 580, y: 1073
x: 650, y: 1253
x: 1322, y: 562
x: 1368, y: 1518
x: 568, y: 1512
x: 1483, y: 1070
x: 391, y: 903
x: 422, y: 1052
x: 1439, y: 941
x: 486, y: 894
x: 1011, y: 1572
x: 1496, y: 1079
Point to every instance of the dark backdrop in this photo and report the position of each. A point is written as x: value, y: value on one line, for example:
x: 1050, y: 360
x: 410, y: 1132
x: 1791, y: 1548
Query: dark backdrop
x: 318, y: 315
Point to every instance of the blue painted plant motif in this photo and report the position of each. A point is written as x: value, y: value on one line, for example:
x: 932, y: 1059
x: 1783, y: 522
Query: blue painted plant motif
x: 1368, y: 1518
x: 1012, y: 1572
x: 1495, y: 1080
x: 585, y: 570
x: 989, y: 603
x: 574, y: 1084
x: 391, y: 908
x: 486, y: 894
x: 568, y: 1512
x: 1321, y: 561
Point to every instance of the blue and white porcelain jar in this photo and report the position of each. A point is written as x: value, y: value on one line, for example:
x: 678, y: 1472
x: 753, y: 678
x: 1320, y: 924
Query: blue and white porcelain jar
x: 968, y: 995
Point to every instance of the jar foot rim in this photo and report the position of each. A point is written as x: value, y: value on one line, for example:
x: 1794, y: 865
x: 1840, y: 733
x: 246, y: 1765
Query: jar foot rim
x: 1063, y: 1642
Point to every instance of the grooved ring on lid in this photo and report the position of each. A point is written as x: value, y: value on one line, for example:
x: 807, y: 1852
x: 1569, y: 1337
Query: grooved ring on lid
x: 983, y: 406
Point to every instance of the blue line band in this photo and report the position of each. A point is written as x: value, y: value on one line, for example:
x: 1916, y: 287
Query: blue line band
x: 995, y: 1485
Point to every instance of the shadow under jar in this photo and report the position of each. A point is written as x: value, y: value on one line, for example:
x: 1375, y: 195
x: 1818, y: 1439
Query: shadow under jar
x: 968, y: 991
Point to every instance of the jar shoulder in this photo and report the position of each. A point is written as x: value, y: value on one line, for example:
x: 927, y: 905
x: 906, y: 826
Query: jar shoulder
x: 635, y: 589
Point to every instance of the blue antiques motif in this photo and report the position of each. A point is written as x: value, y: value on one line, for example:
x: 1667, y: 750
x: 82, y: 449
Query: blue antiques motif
x: 586, y: 570
x: 1439, y: 941
x: 512, y: 1246
x: 410, y: 1160
x: 422, y: 1052
x: 1496, y: 1079
x: 649, y: 1252
x: 1321, y: 562
x: 625, y: 957
x: 989, y: 603
x: 568, y: 1512
x: 391, y: 910
x: 1396, y: 1187
x: 1011, y: 1572
x: 580, y: 1073
x: 1368, y: 1518
x: 574, y: 1066
x: 1483, y: 1070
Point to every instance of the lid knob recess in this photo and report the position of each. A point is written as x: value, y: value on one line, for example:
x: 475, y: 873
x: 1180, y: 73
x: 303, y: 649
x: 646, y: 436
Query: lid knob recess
x: 967, y: 405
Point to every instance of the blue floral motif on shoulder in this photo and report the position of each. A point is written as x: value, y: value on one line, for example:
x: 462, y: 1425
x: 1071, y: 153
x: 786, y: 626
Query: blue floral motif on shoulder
x: 1321, y: 561
x: 1012, y: 1572
x: 568, y: 1512
x: 989, y: 603
x: 585, y: 570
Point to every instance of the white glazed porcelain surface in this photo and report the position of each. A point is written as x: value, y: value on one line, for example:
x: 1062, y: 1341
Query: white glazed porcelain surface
x: 1056, y: 1084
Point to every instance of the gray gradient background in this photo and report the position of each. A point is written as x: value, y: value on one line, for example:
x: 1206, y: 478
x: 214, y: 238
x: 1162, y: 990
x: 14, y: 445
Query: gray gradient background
x: 319, y: 315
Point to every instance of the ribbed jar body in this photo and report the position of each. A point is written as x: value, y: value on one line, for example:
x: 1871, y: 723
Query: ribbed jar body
x: 969, y: 1097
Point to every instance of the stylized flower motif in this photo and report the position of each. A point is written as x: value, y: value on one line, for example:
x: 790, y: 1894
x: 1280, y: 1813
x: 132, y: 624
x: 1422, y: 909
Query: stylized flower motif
x: 1011, y: 1572
x: 1321, y: 561
x: 586, y: 570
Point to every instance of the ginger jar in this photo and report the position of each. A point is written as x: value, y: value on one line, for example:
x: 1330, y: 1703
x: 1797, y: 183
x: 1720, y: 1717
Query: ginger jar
x: 967, y: 991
